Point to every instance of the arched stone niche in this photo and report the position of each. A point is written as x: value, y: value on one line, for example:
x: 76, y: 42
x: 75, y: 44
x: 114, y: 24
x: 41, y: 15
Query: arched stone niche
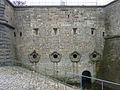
x: 34, y: 57
x: 95, y: 56
x: 75, y: 57
x: 55, y: 57
x: 86, y: 82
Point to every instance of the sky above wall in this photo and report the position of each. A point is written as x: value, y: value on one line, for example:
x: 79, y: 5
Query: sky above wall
x: 66, y: 2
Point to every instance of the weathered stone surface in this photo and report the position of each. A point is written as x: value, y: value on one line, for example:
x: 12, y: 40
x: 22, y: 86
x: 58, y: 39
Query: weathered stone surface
x: 110, y: 64
x: 52, y: 29
x: 64, y: 40
x: 112, y: 21
x: 7, y: 42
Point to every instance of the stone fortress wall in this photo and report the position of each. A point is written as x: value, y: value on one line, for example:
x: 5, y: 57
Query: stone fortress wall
x: 7, y: 41
x: 56, y: 34
x: 110, y: 63
x: 68, y: 38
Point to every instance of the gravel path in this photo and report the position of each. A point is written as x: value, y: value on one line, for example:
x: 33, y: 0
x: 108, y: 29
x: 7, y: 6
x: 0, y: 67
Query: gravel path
x: 16, y: 78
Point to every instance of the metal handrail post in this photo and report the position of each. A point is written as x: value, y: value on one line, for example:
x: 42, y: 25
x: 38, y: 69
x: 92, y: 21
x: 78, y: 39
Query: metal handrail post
x: 45, y: 75
x: 102, y: 86
x: 54, y: 77
x: 65, y: 80
x: 80, y: 82
x: 31, y: 75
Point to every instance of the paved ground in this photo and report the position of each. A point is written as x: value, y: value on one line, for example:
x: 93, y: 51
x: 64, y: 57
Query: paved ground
x: 16, y: 78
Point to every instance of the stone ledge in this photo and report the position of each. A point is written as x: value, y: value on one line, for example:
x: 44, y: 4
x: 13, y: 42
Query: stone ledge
x: 111, y: 3
x: 2, y: 19
x: 6, y: 24
x: 112, y: 37
x: 6, y: 63
x: 2, y: 6
x: 38, y: 6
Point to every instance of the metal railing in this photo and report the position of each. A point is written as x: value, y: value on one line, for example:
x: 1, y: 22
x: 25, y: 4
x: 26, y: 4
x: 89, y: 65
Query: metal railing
x: 96, y: 79
x: 69, y: 77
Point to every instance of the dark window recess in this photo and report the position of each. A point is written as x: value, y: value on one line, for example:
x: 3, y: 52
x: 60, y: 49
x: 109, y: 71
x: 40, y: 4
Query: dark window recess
x: 74, y: 55
x: 34, y: 56
x: 20, y: 34
x: 68, y: 16
x: 94, y: 55
x: 55, y: 56
x: 36, y: 31
x: 103, y: 33
x: 55, y: 30
x: 92, y: 30
x: 86, y: 82
x: 14, y: 34
x: 74, y: 30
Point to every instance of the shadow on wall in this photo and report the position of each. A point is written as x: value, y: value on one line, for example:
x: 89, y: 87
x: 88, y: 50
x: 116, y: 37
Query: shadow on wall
x: 109, y: 68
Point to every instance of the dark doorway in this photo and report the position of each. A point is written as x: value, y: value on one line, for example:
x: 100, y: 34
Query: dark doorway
x: 86, y: 82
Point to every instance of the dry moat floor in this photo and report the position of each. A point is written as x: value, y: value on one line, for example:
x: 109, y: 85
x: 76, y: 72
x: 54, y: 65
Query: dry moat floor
x: 16, y: 78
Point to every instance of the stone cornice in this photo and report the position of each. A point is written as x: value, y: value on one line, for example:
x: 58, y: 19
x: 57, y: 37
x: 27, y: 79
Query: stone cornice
x: 112, y: 37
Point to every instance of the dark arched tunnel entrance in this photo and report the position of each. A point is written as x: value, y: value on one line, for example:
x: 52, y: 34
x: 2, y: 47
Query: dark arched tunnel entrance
x: 86, y: 82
